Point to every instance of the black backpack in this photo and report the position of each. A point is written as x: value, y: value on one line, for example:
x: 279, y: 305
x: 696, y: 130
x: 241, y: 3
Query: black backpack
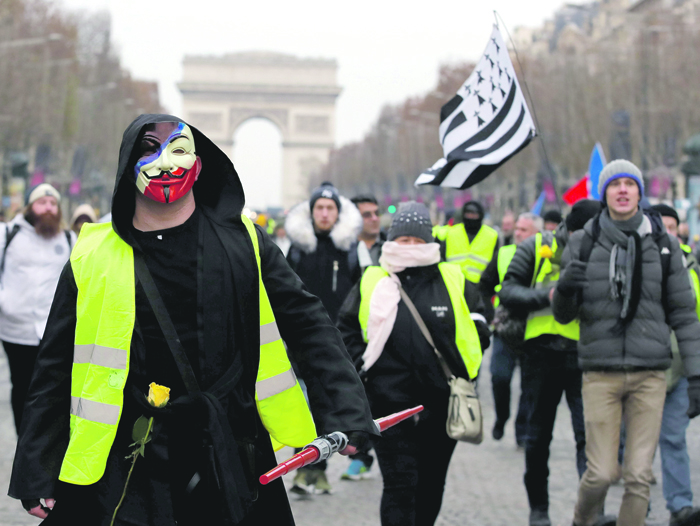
x: 663, y: 241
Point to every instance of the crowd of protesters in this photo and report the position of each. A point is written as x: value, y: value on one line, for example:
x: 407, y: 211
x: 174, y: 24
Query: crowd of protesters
x: 600, y: 307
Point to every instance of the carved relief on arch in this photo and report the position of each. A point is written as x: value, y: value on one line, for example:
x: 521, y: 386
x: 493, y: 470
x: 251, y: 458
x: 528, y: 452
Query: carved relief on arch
x: 279, y: 117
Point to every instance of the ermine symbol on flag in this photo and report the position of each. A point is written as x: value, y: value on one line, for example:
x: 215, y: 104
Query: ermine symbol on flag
x: 486, y: 123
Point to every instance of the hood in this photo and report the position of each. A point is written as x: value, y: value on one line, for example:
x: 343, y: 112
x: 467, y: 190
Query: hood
x: 83, y: 210
x: 300, y: 229
x: 218, y: 191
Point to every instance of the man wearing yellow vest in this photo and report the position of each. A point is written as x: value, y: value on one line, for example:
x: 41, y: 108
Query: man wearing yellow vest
x: 182, y: 291
x: 550, y: 369
x: 471, y: 244
x: 675, y: 462
x: 503, y: 358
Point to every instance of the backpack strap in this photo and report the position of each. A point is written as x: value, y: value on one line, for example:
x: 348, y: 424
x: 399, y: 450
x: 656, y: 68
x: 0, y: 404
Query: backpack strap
x: 69, y: 239
x: 9, y: 235
x: 664, y: 244
x: 589, y: 240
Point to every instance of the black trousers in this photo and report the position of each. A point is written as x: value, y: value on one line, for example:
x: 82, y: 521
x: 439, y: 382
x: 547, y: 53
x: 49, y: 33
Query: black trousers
x: 21, y: 359
x: 413, y: 459
x: 503, y: 364
x: 550, y: 374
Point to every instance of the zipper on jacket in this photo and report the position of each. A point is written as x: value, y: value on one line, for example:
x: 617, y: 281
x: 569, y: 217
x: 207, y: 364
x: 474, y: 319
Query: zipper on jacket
x: 335, y: 275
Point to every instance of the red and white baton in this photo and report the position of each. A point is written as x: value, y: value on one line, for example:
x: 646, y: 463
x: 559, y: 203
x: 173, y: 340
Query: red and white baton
x: 324, y: 446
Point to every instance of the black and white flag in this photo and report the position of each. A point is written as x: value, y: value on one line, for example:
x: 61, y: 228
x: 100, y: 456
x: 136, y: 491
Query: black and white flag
x: 484, y: 125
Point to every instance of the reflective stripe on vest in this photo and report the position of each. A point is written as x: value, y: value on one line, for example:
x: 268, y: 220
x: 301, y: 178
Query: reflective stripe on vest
x: 103, y: 266
x: 466, y: 336
x: 473, y: 257
x: 278, y: 395
x: 505, y: 256
x: 105, y: 314
x: 542, y: 321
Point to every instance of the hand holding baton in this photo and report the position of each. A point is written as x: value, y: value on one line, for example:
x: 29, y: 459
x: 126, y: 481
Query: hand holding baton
x: 324, y: 446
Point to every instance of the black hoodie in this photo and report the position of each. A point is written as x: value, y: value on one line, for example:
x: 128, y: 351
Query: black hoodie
x: 228, y: 336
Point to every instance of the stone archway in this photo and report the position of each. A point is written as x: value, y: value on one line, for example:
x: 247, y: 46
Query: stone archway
x: 297, y: 95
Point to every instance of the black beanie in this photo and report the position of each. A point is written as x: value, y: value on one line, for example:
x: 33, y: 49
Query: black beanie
x: 553, y: 216
x: 474, y: 207
x: 327, y: 191
x: 667, y: 211
x: 412, y: 219
x: 581, y: 212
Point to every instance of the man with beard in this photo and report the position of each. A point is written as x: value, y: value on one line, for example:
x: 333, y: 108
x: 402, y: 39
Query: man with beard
x: 181, y: 290
x: 34, y: 253
x: 471, y: 244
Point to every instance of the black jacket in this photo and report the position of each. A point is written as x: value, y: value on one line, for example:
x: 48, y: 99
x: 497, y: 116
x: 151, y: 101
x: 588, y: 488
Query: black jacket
x: 228, y: 333
x: 326, y: 272
x: 488, y: 283
x: 407, y: 373
x: 322, y: 260
x: 374, y: 253
x: 520, y: 298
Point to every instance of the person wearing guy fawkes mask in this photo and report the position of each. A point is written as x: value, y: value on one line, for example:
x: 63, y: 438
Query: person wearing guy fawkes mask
x: 471, y: 244
x: 182, y: 291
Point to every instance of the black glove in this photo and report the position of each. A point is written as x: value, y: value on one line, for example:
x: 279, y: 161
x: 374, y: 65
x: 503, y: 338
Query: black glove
x: 28, y: 504
x: 484, y: 335
x: 693, y: 396
x: 573, y: 279
x: 359, y: 439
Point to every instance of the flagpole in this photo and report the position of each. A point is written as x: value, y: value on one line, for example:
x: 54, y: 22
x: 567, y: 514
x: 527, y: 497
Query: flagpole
x: 532, y: 104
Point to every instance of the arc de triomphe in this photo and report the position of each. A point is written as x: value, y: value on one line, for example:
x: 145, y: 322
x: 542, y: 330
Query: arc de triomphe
x: 219, y: 93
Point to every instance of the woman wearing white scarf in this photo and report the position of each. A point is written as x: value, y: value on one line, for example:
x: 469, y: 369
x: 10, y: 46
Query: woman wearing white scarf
x: 400, y: 367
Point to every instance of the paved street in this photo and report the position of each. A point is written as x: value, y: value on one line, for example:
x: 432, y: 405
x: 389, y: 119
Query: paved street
x: 484, y: 484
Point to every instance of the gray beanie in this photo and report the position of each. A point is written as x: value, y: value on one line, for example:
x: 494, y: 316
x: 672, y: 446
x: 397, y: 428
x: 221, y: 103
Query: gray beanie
x: 326, y: 191
x: 616, y: 170
x: 412, y: 219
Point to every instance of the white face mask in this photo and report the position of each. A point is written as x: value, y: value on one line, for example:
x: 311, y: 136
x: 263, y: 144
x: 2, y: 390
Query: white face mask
x: 168, y: 166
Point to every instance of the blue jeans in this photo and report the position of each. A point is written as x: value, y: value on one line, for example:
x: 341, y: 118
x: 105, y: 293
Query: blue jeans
x: 675, y: 463
x: 503, y: 362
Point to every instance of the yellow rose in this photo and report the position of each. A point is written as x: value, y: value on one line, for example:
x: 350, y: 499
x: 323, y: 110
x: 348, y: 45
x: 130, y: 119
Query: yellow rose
x: 546, y: 252
x: 158, y: 395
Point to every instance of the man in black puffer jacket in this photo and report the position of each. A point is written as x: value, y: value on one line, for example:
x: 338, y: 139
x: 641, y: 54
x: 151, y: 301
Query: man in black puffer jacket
x: 549, y: 365
x: 625, y: 280
x: 322, y: 231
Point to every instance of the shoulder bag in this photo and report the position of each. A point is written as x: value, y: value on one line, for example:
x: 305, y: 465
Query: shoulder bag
x: 464, y: 419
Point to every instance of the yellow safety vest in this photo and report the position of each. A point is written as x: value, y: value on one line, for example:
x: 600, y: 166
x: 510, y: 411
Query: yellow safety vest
x: 505, y: 256
x: 103, y: 266
x: 466, y: 336
x: 440, y: 232
x: 693, y: 279
x: 542, y: 321
x: 473, y: 257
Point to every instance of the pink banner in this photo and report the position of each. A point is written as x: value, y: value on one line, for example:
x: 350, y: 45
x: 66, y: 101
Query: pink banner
x: 37, y: 178
x: 75, y: 187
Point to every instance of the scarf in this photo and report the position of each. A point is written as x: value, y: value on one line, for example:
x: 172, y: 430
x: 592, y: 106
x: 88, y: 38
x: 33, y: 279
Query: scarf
x: 384, y: 303
x: 625, y: 266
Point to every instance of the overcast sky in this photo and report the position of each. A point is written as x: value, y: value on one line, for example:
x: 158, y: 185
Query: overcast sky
x: 386, y: 50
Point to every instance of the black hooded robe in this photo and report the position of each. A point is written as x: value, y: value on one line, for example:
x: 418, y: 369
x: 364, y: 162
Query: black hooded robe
x: 227, y: 333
